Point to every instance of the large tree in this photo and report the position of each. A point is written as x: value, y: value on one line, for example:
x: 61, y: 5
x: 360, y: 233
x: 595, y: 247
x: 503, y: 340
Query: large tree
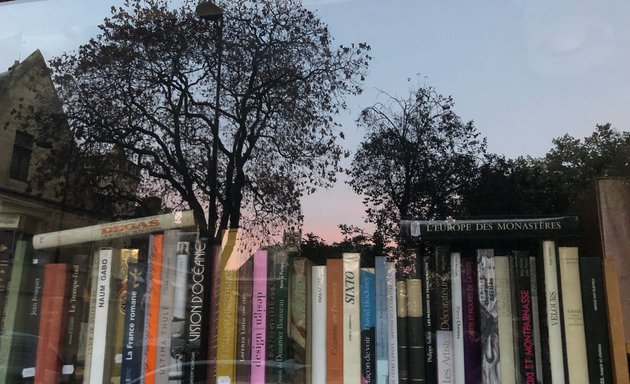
x: 415, y: 160
x: 145, y: 87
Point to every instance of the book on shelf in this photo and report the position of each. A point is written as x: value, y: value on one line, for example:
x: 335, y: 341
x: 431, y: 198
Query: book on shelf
x: 415, y: 323
x: 244, y: 322
x: 392, y: 320
x: 526, y: 351
x: 488, y: 316
x: 277, y: 372
x: 615, y: 322
x: 457, y: 310
x: 368, y: 325
x: 351, y: 318
x: 401, y: 328
x: 119, y: 300
x: 380, y: 297
x: 428, y: 273
x: 259, y: 316
x: 334, y: 321
x: 134, y: 323
x: 470, y: 321
x: 443, y: 307
x: 506, y: 312
x: 300, y: 316
x: 536, y: 313
x: 320, y: 309
x: 152, y: 308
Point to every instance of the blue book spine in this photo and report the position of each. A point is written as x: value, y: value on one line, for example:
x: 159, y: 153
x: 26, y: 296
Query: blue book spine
x: 368, y: 325
x: 134, y: 324
x: 380, y: 289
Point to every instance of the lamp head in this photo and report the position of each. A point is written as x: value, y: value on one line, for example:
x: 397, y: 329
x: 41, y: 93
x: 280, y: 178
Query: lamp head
x: 207, y: 10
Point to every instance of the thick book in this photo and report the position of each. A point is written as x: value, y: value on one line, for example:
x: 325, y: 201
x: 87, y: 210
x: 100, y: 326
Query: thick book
x: 134, y: 323
x: 259, y: 317
x: 502, y: 228
x: 470, y: 322
x: 526, y: 369
x: 443, y: 329
x: 320, y: 309
x: 554, y: 352
x: 615, y: 322
x: 380, y: 296
x: 401, y: 328
x: 459, y: 371
x: 506, y: 316
x: 114, y: 230
x: 300, y: 314
x: 12, y: 341
x: 415, y: 322
x: 428, y: 274
x: 52, y: 324
x: 488, y: 316
x: 351, y: 318
x: 392, y: 329
x: 152, y: 308
x: 244, y: 322
x: 595, y: 320
x: 573, y: 319
x: 334, y: 321
x: 368, y: 325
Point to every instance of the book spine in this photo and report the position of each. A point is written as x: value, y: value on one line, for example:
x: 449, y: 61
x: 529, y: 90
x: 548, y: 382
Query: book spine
x: 488, y: 319
x: 10, y: 342
x: 51, y: 326
x: 381, y: 320
x: 77, y: 284
x: 308, y: 352
x: 573, y: 318
x: 114, y: 230
x: 151, y: 316
x: 281, y: 337
x: 536, y: 318
x: 299, y: 279
x: 89, y: 344
x: 506, y: 315
x: 459, y: 372
x: 134, y: 322
x: 244, y: 324
x: 470, y: 320
x: 259, y: 317
x: 401, y: 329
x: 444, y: 330
x: 228, y: 290
x: 334, y: 320
x: 524, y: 310
x: 392, y: 331
x: 555, y: 352
x: 595, y: 320
x: 318, y: 346
x: 368, y: 326
x: 351, y: 318
x: 119, y: 295
x: 7, y: 243
x: 194, y: 371
x: 415, y: 320
x: 272, y: 288
x: 615, y: 322
x: 213, y: 321
x: 428, y: 271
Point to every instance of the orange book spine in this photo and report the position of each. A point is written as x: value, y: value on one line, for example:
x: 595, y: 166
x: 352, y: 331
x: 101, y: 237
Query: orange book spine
x: 615, y: 323
x: 51, y: 327
x: 154, y: 286
x: 334, y: 321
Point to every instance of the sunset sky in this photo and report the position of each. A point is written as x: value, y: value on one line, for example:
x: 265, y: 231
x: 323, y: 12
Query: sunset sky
x: 524, y: 71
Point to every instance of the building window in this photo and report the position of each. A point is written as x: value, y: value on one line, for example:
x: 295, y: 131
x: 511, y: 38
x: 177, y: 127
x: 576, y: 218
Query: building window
x: 22, y: 149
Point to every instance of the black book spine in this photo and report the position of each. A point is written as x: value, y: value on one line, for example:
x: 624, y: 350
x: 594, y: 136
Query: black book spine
x: 526, y: 345
x: 470, y: 322
x: 134, y: 323
x: 401, y: 329
x: 415, y: 323
x: 595, y: 320
x: 429, y: 327
x: 198, y: 313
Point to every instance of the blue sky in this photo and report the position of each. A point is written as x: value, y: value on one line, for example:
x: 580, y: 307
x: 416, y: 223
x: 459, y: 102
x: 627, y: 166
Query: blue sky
x: 524, y: 71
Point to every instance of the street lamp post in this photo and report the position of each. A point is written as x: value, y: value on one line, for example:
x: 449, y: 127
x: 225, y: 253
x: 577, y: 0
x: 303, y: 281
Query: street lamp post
x: 210, y: 11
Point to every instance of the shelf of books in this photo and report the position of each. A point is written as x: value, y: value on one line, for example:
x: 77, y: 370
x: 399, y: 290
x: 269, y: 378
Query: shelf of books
x: 511, y: 300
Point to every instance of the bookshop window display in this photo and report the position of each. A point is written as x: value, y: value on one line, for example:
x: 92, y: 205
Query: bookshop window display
x: 309, y: 191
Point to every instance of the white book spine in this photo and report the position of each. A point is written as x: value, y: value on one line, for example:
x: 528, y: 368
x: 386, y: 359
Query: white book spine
x: 573, y: 317
x: 351, y: 319
x: 392, y: 329
x: 319, y: 324
x: 445, y: 367
x: 101, y: 313
x: 554, y: 327
x: 181, y: 275
x: 459, y: 373
x: 506, y: 312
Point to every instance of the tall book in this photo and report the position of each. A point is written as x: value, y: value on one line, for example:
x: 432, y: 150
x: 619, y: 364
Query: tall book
x: 152, y: 308
x: 573, y: 319
x: 392, y: 335
x: 415, y: 322
x: 300, y: 315
x: 259, y: 317
x: 428, y: 274
x: 488, y: 316
x: 351, y: 318
x: 470, y: 322
x: 506, y: 314
x: 228, y: 292
x: 380, y: 296
x: 214, y: 282
x: 318, y: 347
x: 368, y: 326
x: 595, y: 320
x: 533, y: 271
x: 12, y: 340
x: 444, y: 330
x: 244, y: 322
x: 334, y: 321
x: 134, y: 323
x: 401, y: 328
x: 615, y: 322
x: 459, y: 371
x: 280, y: 341
x: 51, y: 326
x: 554, y: 353
x: 526, y: 368
x: 90, y: 298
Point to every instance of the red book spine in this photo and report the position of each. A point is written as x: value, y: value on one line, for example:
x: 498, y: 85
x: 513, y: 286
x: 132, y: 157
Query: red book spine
x: 334, y: 321
x: 51, y: 327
